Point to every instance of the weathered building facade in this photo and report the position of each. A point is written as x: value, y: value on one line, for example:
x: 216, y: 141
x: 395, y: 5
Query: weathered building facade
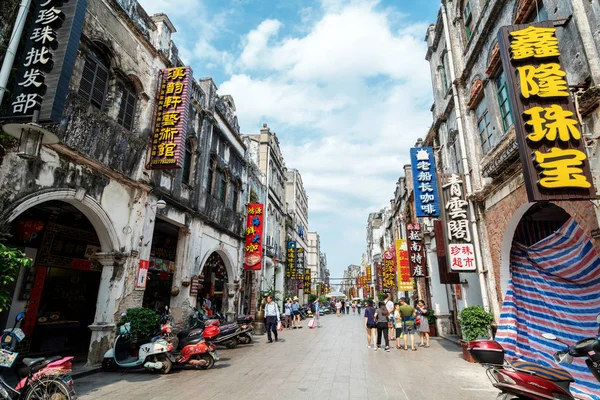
x: 87, y: 209
x: 297, y: 208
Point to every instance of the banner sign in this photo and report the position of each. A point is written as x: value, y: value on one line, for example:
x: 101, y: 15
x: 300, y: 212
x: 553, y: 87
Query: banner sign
x: 307, y: 281
x: 172, y: 116
x: 458, y: 230
x: 42, y: 81
x: 291, y: 260
x: 389, y: 271
x: 254, y: 244
x: 142, y: 274
x: 551, y: 146
x: 415, y: 250
x: 405, y: 280
x: 424, y: 182
x: 300, y: 268
x: 379, y: 277
x: 369, y: 276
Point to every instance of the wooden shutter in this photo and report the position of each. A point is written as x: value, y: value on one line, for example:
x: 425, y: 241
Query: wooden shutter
x: 446, y: 277
x: 100, y: 85
x: 87, y: 79
x: 94, y: 81
x: 127, y: 107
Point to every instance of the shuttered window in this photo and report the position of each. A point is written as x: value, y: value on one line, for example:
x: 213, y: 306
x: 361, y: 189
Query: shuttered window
x: 94, y: 80
x: 127, y: 107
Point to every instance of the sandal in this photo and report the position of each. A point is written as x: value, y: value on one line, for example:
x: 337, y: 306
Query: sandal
x: 398, y: 347
x: 426, y: 345
x: 414, y: 349
x: 387, y: 349
x: 406, y: 349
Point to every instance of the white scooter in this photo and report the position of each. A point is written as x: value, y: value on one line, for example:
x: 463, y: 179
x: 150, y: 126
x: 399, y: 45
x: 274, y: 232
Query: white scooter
x: 155, y: 356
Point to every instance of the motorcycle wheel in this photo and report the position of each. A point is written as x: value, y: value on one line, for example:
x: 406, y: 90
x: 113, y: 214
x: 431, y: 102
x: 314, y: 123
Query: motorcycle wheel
x: 508, y: 396
x: 208, y: 358
x: 108, y: 365
x: 48, y: 388
x: 167, y: 364
x: 247, y: 339
x: 232, y: 345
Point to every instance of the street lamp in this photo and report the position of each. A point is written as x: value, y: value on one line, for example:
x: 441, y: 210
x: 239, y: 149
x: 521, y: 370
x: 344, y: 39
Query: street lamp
x: 31, y: 137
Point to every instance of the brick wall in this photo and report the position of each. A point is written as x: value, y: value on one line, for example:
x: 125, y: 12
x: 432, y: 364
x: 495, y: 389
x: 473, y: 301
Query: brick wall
x: 498, y: 216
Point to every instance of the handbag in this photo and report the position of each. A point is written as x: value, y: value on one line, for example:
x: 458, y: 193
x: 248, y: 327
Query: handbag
x: 418, y: 320
x: 390, y: 325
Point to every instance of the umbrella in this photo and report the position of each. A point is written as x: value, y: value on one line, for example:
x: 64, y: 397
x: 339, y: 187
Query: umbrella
x: 335, y: 294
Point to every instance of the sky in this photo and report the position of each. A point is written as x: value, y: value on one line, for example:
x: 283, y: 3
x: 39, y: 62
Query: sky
x: 344, y: 84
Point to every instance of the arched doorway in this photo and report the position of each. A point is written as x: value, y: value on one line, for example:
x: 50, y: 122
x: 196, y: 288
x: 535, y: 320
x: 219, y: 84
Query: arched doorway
x: 59, y: 294
x: 213, y: 280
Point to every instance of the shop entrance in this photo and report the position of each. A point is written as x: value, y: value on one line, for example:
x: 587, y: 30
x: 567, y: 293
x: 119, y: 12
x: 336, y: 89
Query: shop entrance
x: 162, y: 266
x: 213, y: 280
x: 60, y: 291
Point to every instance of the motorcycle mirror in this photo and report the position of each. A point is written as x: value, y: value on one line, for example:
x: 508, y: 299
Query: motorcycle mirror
x: 549, y: 336
x: 20, y: 317
x: 598, y: 319
x: 123, y: 314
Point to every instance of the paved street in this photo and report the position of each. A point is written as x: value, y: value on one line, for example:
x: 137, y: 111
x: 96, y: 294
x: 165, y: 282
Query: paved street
x: 328, y: 363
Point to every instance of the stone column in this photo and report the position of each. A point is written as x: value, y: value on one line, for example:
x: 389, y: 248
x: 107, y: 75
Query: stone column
x: 230, y: 288
x: 110, y: 291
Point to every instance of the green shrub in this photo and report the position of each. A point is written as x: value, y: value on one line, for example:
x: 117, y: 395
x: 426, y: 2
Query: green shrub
x: 475, y: 322
x: 11, y: 261
x: 144, y: 322
x: 430, y: 315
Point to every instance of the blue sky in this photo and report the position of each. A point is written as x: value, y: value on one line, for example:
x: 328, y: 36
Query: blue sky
x: 343, y: 83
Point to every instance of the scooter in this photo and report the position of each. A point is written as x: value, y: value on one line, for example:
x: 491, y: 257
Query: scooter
x: 46, y: 378
x: 527, y: 380
x: 231, y: 334
x: 154, y: 356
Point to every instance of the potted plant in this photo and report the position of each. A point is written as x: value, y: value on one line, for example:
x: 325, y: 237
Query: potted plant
x: 430, y: 315
x: 144, y: 323
x: 475, y: 323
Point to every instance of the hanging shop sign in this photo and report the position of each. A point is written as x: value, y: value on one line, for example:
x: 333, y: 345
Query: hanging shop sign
x: 142, y: 274
x: 461, y: 255
x: 172, y: 117
x: 415, y: 250
x: 369, y: 276
x: 254, y: 231
x: 379, y: 277
x: 424, y: 182
x: 388, y: 275
x: 291, y: 259
x: 300, y: 268
x: 194, y: 286
x: 405, y: 280
x: 42, y: 81
x: 551, y: 146
x: 307, y: 281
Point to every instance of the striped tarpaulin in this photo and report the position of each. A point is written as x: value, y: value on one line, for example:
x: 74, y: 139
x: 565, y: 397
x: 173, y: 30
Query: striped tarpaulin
x: 554, y: 288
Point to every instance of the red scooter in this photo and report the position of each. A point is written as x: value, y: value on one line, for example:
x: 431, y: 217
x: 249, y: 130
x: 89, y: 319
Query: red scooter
x: 528, y: 380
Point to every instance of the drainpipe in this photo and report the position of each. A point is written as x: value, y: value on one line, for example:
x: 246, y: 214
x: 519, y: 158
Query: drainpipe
x: 13, y: 44
x: 587, y: 38
x: 465, y: 163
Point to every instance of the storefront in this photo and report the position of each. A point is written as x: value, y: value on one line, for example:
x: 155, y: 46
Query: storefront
x: 161, y: 265
x: 60, y: 292
x: 213, y: 282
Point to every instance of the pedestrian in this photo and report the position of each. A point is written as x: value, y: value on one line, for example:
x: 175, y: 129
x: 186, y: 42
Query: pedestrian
x: 338, y: 308
x: 358, y: 306
x: 288, y: 313
x: 370, y: 324
x: 296, y: 312
x: 273, y: 318
x: 348, y: 307
x: 408, y: 319
x: 316, y: 313
x: 398, y: 324
x: 343, y: 306
x: 382, y: 316
x: 390, y: 307
x: 207, y: 306
x: 423, y: 323
x: 353, y: 308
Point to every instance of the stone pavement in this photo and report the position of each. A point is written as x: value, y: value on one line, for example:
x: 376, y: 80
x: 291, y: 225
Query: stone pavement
x: 328, y: 363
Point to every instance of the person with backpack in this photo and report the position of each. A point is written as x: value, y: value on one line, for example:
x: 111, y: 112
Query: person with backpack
x: 408, y: 318
x: 288, y: 313
x: 296, y: 311
x: 370, y: 324
x: 390, y: 307
x: 315, y: 311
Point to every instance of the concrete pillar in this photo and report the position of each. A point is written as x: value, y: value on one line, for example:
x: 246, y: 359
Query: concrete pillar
x: 439, y: 299
x: 110, y: 292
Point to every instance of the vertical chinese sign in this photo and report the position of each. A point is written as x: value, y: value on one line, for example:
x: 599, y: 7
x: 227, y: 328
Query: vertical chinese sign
x: 415, y: 250
x: 142, y: 274
x: 42, y: 81
x: 290, y: 260
x: 172, y: 117
x: 254, y: 232
x: 389, y: 271
x: 307, y: 281
x: 555, y: 165
x: 424, y: 182
x: 461, y: 254
x: 379, y: 281
x: 405, y: 280
x: 369, y: 276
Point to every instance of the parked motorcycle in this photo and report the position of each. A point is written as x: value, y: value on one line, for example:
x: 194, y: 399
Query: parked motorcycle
x: 46, y: 379
x: 154, y: 356
x: 528, y: 380
x: 231, y: 334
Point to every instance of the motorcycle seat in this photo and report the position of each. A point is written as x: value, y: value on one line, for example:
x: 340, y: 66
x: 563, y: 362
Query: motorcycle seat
x: 548, y: 373
x: 35, y: 364
x: 32, y: 361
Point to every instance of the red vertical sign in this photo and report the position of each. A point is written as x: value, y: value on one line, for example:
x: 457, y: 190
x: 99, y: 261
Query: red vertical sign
x: 254, y: 237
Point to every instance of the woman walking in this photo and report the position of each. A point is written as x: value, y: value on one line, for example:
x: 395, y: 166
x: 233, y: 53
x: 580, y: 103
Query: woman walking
x: 423, y: 324
x: 382, y: 316
x: 338, y: 308
x: 288, y: 313
x: 399, y: 325
x: 353, y: 308
x: 358, y: 306
x: 370, y: 324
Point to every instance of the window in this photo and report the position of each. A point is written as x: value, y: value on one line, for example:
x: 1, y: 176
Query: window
x: 94, y: 80
x: 234, y: 198
x: 540, y: 13
x: 455, y: 154
x: 483, y: 127
x: 505, y: 111
x: 187, y: 163
x: 211, y: 178
x: 468, y: 15
x: 221, y: 192
x: 127, y: 108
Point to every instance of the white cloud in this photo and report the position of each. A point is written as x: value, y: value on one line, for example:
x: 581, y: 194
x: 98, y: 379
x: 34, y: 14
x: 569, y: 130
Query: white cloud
x: 257, y: 41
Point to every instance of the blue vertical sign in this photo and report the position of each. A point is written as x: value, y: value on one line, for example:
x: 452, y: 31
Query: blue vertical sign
x: 425, y: 182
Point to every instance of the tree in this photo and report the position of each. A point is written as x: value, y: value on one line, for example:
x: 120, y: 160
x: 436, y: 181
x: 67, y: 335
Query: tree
x: 11, y: 261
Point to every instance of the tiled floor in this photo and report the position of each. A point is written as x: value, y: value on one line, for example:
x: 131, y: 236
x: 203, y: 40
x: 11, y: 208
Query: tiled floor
x: 328, y: 363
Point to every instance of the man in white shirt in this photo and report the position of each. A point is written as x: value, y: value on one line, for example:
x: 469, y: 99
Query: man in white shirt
x: 389, y: 304
x: 273, y: 319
